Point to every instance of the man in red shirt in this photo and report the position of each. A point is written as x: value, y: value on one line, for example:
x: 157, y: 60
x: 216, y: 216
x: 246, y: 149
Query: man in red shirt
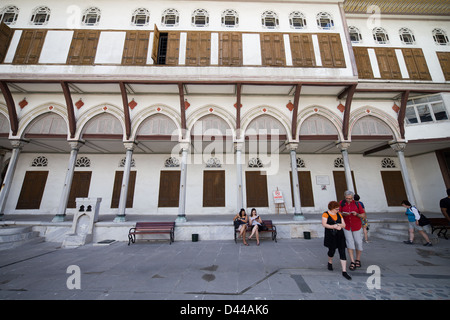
x: 352, y: 213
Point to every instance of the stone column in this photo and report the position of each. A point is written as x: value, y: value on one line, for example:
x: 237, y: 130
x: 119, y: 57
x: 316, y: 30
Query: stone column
x: 182, y: 199
x: 238, y: 146
x: 298, y: 215
x: 343, y: 146
x: 120, y: 217
x: 17, y: 146
x: 61, y: 213
x: 399, y: 148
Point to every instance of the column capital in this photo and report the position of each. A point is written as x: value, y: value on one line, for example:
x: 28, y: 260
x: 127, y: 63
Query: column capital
x: 398, y: 146
x: 129, y: 145
x: 343, y: 145
x: 76, y: 144
x: 18, y: 143
x: 291, y: 146
x: 239, y: 146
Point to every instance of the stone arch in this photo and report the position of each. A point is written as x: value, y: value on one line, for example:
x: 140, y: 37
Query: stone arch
x: 314, y: 111
x: 255, y: 112
x: 157, y: 109
x: 211, y: 110
x: 98, y: 111
x: 383, y: 117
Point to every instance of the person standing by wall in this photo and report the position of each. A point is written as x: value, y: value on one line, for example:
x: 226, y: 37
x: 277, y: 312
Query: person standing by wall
x: 413, y: 219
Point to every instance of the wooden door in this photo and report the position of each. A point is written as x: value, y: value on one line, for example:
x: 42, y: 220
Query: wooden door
x: 173, y: 48
x: 117, y: 188
x: 230, y: 49
x: 272, y: 49
x: 80, y: 187
x: 83, y: 47
x: 340, y: 184
x: 32, y: 190
x: 256, y: 189
x: 214, y: 188
x: 30, y: 47
x: 444, y: 60
x: 363, y: 63
x: 394, y: 188
x: 198, y: 48
x: 306, y: 191
x: 169, y: 189
x: 331, y: 50
x: 416, y: 64
x: 6, y: 34
x: 388, y: 63
x: 302, y: 50
x: 136, y: 48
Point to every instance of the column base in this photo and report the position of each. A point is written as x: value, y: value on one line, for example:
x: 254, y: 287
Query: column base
x: 181, y: 219
x: 299, y: 217
x: 59, y: 218
x: 120, y: 219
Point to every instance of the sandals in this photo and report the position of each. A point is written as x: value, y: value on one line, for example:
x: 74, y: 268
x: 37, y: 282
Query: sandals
x: 354, y: 265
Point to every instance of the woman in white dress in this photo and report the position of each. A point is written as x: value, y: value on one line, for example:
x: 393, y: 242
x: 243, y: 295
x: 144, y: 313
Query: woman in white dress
x: 256, y: 223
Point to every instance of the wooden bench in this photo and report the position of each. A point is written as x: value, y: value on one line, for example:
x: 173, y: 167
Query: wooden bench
x: 270, y: 228
x: 152, y: 228
x: 441, y: 224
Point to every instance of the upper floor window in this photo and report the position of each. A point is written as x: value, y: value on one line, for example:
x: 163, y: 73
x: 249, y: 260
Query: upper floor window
x: 380, y: 35
x: 407, y: 36
x: 140, y: 17
x: 269, y: 20
x: 170, y: 18
x: 91, y: 17
x: 355, y: 34
x: 9, y: 15
x: 297, y: 20
x: 40, y: 16
x: 426, y: 109
x: 200, y: 18
x: 230, y: 18
x: 325, y: 21
x: 440, y: 37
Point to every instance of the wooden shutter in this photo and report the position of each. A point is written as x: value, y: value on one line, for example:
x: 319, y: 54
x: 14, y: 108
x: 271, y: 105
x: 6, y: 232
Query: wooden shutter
x: 136, y: 48
x: 256, y: 189
x: 155, y: 47
x: 80, y: 187
x: 173, y: 48
x: 331, y: 50
x: 302, y: 50
x: 230, y: 49
x: 6, y: 34
x: 30, y: 47
x: 416, y: 64
x: 169, y: 189
x: 214, y: 188
x: 32, y: 190
x: 198, y: 49
x: 363, y: 63
x: 83, y: 47
x: 272, y: 49
x: 387, y: 63
x: 306, y: 191
x: 394, y: 188
x: 117, y: 188
x: 340, y: 184
x: 444, y: 60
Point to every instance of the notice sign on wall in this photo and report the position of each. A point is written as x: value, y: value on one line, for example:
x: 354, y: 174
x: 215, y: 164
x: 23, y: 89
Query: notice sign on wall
x: 278, y: 197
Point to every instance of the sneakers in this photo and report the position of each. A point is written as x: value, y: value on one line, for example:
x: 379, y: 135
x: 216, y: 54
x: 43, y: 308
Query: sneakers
x: 428, y: 244
x: 346, y: 275
x: 408, y: 242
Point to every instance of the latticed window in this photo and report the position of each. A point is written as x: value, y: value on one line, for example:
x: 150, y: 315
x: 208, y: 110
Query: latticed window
x: 172, y: 162
x: 83, y: 162
x: 170, y: 18
x: 40, y: 16
x: 140, y: 17
x: 230, y: 18
x: 123, y: 160
x: 91, y: 17
x: 380, y: 35
x: 297, y: 20
x: 300, y: 163
x: 9, y: 15
x: 339, y: 162
x: 200, y: 18
x: 40, y: 161
x: 213, y: 163
x: 255, y: 163
x: 355, y: 34
x: 407, y: 36
x: 440, y: 37
x: 269, y: 20
x: 387, y: 163
x: 325, y: 21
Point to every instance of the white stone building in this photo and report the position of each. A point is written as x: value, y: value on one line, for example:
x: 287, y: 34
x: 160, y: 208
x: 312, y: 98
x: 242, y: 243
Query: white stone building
x: 141, y: 99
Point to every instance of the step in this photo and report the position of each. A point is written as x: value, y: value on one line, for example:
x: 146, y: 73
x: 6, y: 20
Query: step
x: 402, y: 234
x: 12, y: 237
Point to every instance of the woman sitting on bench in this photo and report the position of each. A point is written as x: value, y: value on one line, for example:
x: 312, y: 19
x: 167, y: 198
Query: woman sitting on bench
x: 240, y: 223
x: 256, y: 223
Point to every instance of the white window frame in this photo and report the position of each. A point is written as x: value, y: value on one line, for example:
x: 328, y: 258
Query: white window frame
x: 197, y: 16
x: 428, y: 104
x: 91, y: 13
x: 380, y: 32
x: 355, y: 30
x: 140, y: 12
x: 229, y: 15
x: 321, y: 19
x: 439, y: 35
x: 297, y: 15
x: 404, y: 33
x: 272, y: 16
x: 12, y: 12
x: 41, y: 11
x: 170, y: 12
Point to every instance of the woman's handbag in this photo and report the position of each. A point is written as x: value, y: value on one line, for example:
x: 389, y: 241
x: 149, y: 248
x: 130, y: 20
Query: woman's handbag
x: 237, y: 223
